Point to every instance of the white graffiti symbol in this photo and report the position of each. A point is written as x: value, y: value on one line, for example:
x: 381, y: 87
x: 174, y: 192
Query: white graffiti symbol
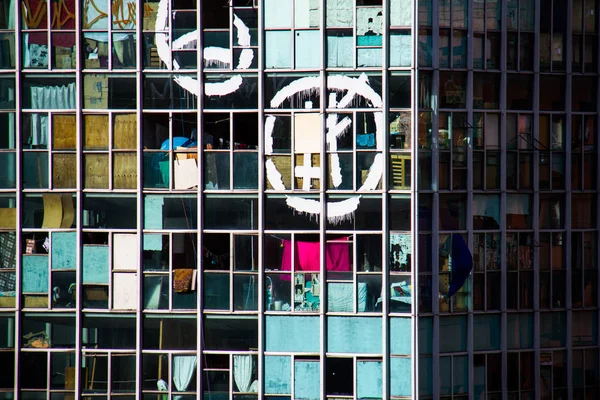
x: 350, y: 88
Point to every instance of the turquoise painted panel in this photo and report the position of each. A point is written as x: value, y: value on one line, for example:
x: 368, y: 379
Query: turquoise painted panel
x: 307, y: 49
x: 152, y: 242
x: 153, y: 212
x: 289, y: 333
x: 425, y: 335
x: 400, y: 376
x: 278, y: 49
x: 354, y: 335
x: 307, y: 380
x: 369, y: 379
x: 95, y: 264
x: 63, y: 248
x: 35, y: 273
x: 278, y: 375
x: 400, y: 335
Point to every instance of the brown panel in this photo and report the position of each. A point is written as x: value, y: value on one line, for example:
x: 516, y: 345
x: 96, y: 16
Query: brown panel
x: 64, y: 171
x: 96, y: 171
x: 8, y: 218
x: 124, y: 132
x: 284, y: 166
x: 125, y: 170
x: 315, y: 162
x: 63, y: 132
x: 53, y: 210
x: 68, y: 211
x: 96, y: 132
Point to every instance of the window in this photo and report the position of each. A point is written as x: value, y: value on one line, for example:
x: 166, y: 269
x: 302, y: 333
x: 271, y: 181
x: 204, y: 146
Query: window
x: 519, y: 156
x: 584, y: 152
x: 486, y: 34
x: 520, y: 35
x: 585, y: 35
x: 453, y: 17
x: 486, y: 154
x: 519, y: 259
x: 552, y: 271
x: 452, y: 145
x: 486, y: 274
x: 584, y: 269
x: 551, y: 152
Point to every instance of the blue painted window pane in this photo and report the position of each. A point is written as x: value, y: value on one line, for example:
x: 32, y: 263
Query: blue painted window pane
x: 486, y: 335
x: 400, y: 376
x: 278, y: 375
x: 278, y: 13
x: 369, y: 379
x: 400, y: 49
x: 289, y: 333
x: 63, y: 249
x: 354, y: 335
x: 307, y: 380
x: 369, y: 57
x: 340, y: 48
x: 278, y: 45
x: 453, y: 334
x: 35, y: 274
x: 308, y: 49
x: 400, y: 335
x: 95, y: 264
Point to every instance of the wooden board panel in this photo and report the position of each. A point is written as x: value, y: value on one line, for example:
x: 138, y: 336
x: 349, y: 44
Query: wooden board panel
x: 96, y: 132
x: 124, y: 132
x: 315, y: 162
x: 64, y: 132
x: 8, y: 218
x: 284, y: 165
x: 64, y: 171
x: 96, y: 171
x: 53, y: 210
x: 125, y: 170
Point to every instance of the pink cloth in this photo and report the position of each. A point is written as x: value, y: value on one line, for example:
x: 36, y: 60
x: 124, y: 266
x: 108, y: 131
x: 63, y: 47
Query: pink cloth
x: 308, y: 254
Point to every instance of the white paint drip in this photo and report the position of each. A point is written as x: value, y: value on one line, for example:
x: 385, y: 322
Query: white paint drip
x: 187, y: 41
x: 336, y: 169
x: 269, y: 126
x: 337, y: 130
x: 162, y: 39
x: 374, y: 175
x: 223, y: 88
x: 217, y: 54
x: 304, y: 206
x: 221, y: 57
x: 359, y: 86
x: 309, y: 84
x: 343, y: 210
x: 347, y: 99
x: 246, y: 57
x: 274, y: 176
x: 243, y: 32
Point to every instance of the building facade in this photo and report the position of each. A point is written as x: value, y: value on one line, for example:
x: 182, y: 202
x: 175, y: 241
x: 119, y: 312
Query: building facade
x: 266, y: 199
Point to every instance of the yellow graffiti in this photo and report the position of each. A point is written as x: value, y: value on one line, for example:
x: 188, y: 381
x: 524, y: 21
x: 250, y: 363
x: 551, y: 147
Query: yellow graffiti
x: 33, y: 19
x: 123, y: 15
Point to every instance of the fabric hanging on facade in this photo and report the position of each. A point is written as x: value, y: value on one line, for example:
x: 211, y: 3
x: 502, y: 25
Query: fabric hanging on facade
x: 182, y: 280
x: 308, y: 256
x: 183, y: 371
x: 48, y: 98
x: 462, y: 264
x: 243, y: 366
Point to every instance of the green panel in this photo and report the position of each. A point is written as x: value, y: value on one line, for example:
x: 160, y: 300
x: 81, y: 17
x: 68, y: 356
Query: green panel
x: 400, y: 376
x: 278, y: 375
x: 307, y: 380
x: 290, y: 333
x: 354, y: 335
x: 35, y: 273
x: 95, y: 264
x: 400, y: 335
x: 369, y: 379
x: 63, y: 248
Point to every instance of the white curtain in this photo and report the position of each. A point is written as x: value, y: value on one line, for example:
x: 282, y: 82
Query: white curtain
x: 183, y: 371
x: 242, y: 373
x: 48, y: 98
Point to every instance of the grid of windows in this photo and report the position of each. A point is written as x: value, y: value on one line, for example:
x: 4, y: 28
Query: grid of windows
x: 243, y: 199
